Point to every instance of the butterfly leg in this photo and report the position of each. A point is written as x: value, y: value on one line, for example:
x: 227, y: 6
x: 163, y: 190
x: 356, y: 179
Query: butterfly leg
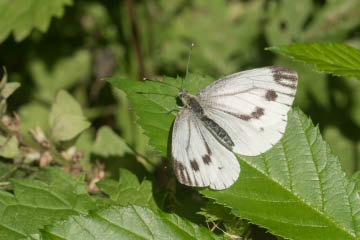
x: 177, y: 108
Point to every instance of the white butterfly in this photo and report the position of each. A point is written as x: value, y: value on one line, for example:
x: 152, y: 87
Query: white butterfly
x: 245, y: 113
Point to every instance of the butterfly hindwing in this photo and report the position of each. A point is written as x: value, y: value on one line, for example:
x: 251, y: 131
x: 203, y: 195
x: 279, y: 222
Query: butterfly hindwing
x: 251, y: 106
x: 199, y: 159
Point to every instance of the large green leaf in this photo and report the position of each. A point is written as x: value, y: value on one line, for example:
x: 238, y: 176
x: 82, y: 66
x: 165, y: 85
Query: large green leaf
x: 21, y: 16
x: 297, y: 189
x: 128, y: 190
x: 335, y: 58
x: 35, y: 203
x: 131, y: 222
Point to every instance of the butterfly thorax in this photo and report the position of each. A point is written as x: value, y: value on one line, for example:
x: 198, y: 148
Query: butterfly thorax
x: 192, y: 102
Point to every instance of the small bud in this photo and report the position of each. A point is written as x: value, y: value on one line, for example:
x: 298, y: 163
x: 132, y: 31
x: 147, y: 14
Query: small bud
x: 12, y: 124
x: 30, y: 154
x: 40, y: 137
x: 69, y: 153
x: 45, y: 159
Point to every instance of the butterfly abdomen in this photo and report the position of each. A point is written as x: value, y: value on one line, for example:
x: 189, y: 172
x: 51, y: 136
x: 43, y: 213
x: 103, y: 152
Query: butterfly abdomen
x: 217, y: 130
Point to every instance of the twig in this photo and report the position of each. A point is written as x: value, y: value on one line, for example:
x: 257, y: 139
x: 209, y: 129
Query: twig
x: 135, y: 38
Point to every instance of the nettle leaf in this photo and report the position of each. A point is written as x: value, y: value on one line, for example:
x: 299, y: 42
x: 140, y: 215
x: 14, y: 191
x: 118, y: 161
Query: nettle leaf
x: 152, y: 102
x: 108, y: 143
x: 128, y: 190
x: 66, y: 118
x: 334, y: 58
x: 35, y: 203
x: 296, y: 190
x: 21, y: 16
x: 133, y: 222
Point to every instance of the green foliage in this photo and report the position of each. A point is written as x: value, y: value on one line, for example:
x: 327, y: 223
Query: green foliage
x: 117, y: 146
x: 335, y: 58
x: 35, y: 204
x: 6, y: 89
x: 56, y: 111
x: 18, y: 16
x: 298, y: 181
x: 9, y: 147
x: 297, y: 184
x: 128, y: 190
x: 66, y: 118
x: 77, y: 67
x: 153, y: 102
x: 131, y: 222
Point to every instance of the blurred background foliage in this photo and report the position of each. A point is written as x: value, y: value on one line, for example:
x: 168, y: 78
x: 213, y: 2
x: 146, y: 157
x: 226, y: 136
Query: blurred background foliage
x: 60, y: 50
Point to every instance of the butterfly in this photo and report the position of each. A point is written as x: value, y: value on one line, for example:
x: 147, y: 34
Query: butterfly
x: 243, y: 113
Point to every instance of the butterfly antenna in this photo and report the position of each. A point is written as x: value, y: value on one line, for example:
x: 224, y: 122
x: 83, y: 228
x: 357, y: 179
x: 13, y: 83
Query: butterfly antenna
x: 147, y: 79
x: 187, y: 66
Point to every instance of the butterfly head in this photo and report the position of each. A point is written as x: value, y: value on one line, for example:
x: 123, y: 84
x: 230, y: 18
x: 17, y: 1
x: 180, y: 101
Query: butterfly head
x: 184, y: 97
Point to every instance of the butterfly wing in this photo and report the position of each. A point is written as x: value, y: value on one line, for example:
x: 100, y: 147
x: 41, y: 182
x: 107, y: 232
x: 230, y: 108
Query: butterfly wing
x: 198, y: 158
x: 251, y: 106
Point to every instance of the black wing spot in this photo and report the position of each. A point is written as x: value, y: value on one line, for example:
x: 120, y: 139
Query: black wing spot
x: 257, y: 113
x: 179, y: 170
x: 271, y: 95
x: 206, y: 159
x: 194, y: 165
x: 285, y: 77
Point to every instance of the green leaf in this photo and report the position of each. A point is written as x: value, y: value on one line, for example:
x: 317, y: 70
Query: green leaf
x: 62, y: 75
x: 355, y: 178
x: 66, y: 118
x: 32, y: 115
x: 9, y: 89
x: 35, y: 203
x: 128, y: 190
x: 214, y: 212
x: 152, y: 102
x: 131, y: 222
x: 108, y: 143
x: 6, y: 90
x: 297, y: 189
x: 334, y: 58
x: 342, y: 146
x: 10, y: 148
x: 21, y: 16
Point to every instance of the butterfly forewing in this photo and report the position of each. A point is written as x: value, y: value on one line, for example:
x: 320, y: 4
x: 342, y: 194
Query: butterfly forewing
x: 199, y: 159
x: 252, y: 106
